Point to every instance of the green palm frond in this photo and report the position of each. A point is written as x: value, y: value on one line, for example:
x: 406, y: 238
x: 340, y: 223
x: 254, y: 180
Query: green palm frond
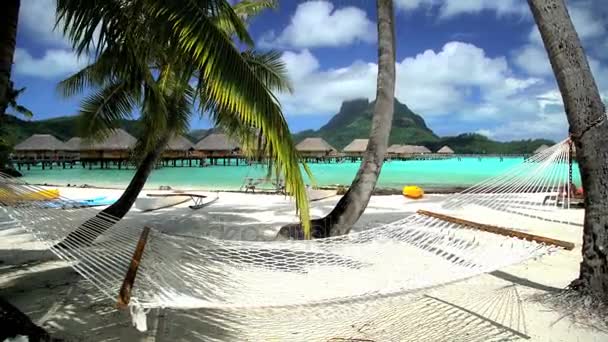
x: 186, y: 12
x: 23, y: 111
x: 244, y: 10
x: 249, y: 8
x: 102, y: 111
x: 156, y: 47
x: 270, y: 69
x: 95, y: 75
x: 229, y: 85
x: 91, y: 25
x: 12, y: 97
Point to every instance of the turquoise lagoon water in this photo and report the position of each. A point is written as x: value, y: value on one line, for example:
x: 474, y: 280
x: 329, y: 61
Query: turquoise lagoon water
x: 395, y: 174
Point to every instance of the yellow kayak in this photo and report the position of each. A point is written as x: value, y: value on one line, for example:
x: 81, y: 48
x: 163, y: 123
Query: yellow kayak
x: 40, y: 195
x: 412, y: 191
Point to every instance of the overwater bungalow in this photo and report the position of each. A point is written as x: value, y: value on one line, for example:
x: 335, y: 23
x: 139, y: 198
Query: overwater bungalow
x: 394, y: 150
x: 116, y: 147
x: 356, y: 148
x: 179, y: 147
x: 315, y: 147
x: 216, y: 145
x: 397, y: 150
x: 40, y: 147
x: 445, y: 150
x: 72, y: 148
x: 418, y: 149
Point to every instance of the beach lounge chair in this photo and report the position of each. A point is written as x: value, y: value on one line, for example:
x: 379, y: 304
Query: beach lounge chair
x: 279, y: 186
x: 252, y: 183
x: 196, y: 198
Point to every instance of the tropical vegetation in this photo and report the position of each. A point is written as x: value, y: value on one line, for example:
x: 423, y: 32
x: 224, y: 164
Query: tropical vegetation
x: 168, y: 60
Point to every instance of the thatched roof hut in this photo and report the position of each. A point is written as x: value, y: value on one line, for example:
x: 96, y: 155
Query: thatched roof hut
x: 73, y: 145
x: 357, y: 146
x: 541, y: 148
x: 117, y: 145
x: 119, y: 140
x: 407, y: 149
x: 410, y: 149
x: 179, y: 143
x: 421, y: 149
x: 315, y: 146
x: 178, y: 147
x: 445, y: 150
x: 394, y: 149
x: 216, y: 143
x: 40, y: 143
x: 401, y: 149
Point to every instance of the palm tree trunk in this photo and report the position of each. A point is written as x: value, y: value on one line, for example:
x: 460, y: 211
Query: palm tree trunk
x: 351, y: 206
x: 9, y: 17
x: 90, y: 230
x: 15, y: 322
x: 589, y: 130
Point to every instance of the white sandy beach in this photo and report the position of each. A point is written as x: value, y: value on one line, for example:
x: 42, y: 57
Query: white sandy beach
x: 509, y: 304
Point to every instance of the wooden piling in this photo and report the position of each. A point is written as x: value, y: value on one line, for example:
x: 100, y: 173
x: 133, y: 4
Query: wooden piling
x: 124, y: 296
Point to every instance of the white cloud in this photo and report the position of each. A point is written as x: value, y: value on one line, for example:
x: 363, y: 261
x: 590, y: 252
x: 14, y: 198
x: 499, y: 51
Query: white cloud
x: 485, y: 132
x: 587, y: 23
x: 321, y: 91
x: 459, y: 82
x: 600, y: 73
x: 317, y: 23
x: 452, y: 8
x: 37, y: 20
x: 590, y: 26
x: 413, y: 4
x: 54, y: 63
x: 532, y: 58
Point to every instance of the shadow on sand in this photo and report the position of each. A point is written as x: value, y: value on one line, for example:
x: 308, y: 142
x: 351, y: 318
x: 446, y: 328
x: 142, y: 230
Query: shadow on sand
x: 451, y: 316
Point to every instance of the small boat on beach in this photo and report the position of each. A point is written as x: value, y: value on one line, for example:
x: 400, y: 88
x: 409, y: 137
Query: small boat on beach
x: 160, y: 201
x: 152, y: 202
x: 80, y: 203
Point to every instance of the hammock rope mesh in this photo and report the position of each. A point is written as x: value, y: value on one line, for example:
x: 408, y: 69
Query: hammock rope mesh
x: 403, y: 257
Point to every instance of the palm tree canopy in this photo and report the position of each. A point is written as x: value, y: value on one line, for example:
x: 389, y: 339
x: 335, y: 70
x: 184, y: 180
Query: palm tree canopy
x: 148, y: 52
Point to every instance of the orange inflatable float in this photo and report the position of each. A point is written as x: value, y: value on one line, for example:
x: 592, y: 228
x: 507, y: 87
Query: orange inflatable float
x: 412, y: 191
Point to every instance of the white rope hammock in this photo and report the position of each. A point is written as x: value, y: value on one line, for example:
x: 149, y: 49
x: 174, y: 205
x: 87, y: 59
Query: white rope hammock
x: 418, y: 252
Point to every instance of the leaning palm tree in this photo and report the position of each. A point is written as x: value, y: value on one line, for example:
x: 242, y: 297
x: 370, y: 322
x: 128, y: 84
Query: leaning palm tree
x: 166, y: 59
x: 14, y: 322
x: 351, y: 206
x: 9, y: 17
x: 588, y: 129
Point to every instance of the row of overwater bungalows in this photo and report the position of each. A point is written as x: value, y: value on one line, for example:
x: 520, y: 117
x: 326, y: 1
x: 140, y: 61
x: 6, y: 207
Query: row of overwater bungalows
x: 318, y: 148
x: 117, y: 146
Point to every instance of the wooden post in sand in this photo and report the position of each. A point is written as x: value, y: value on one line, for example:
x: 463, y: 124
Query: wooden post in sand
x: 124, y: 296
x: 499, y: 230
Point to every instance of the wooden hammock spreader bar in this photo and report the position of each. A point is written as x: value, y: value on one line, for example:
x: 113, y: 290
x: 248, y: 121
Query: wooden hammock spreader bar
x: 499, y: 230
x: 124, y: 296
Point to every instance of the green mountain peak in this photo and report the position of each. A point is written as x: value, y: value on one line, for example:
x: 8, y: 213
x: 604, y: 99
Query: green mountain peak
x: 354, y: 119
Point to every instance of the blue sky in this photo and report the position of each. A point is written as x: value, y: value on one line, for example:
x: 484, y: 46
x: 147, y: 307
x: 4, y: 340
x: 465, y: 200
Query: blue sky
x: 465, y: 66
